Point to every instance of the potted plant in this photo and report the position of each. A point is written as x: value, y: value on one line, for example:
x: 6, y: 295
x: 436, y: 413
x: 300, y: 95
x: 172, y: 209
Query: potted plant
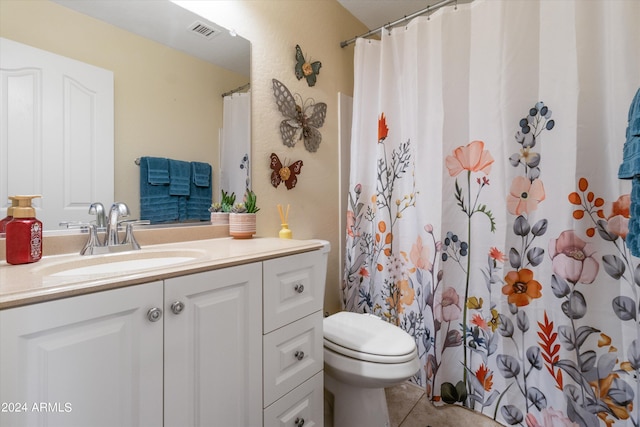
x: 242, y: 219
x: 220, y: 210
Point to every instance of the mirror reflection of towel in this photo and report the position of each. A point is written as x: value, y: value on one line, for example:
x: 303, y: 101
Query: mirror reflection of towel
x: 199, y: 199
x: 180, y: 174
x: 174, y: 190
x: 156, y: 204
x: 158, y: 170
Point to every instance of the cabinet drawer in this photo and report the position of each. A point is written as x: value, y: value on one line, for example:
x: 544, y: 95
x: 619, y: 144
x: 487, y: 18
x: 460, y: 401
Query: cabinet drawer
x: 293, y: 288
x: 292, y: 354
x: 304, y: 404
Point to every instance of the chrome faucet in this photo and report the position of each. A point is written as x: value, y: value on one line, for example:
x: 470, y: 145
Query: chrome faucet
x: 118, y: 210
x: 111, y: 242
x: 97, y: 209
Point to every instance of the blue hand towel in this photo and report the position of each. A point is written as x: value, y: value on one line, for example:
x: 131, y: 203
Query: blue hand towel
x: 182, y: 208
x: 156, y: 204
x: 630, y: 169
x: 158, y: 170
x: 630, y: 166
x: 201, y: 173
x: 180, y: 174
x: 633, y: 236
x: 200, y: 194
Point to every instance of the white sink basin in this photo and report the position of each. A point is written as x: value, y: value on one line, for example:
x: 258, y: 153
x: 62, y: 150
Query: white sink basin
x: 119, y: 264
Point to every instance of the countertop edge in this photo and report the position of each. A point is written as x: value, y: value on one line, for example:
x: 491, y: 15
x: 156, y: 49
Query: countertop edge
x: 34, y: 296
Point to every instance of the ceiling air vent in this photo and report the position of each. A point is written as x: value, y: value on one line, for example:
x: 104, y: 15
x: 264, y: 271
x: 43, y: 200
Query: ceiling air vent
x: 204, y: 30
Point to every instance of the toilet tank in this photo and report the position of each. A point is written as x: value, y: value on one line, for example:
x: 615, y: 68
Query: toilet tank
x: 326, y: 248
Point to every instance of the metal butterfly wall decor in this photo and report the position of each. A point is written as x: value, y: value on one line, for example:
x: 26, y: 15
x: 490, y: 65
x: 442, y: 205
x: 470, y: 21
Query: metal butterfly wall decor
x: 302, y: 118
x: 287, y: 174
x: 308, y: 70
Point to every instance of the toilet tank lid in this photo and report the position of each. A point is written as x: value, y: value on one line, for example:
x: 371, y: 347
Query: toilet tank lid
x: 367, y: 333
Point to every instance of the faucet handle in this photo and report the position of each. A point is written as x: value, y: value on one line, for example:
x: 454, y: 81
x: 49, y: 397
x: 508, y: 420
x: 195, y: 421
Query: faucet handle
x: 92, y: 244
x: 74, y: 224
x: 129, y: 238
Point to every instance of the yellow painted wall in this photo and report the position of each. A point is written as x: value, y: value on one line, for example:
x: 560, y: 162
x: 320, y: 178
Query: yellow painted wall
x: 273, y: 27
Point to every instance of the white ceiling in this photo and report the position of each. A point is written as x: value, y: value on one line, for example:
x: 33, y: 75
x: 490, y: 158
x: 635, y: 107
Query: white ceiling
x: 377, y: 13
x: 169, y: 24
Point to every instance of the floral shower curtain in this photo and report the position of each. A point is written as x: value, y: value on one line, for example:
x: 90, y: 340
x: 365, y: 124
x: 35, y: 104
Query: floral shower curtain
x: 485, y: 215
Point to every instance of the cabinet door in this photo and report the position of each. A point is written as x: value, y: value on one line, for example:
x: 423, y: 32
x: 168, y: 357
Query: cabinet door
x: 213, y: 348
x: 92, y: 360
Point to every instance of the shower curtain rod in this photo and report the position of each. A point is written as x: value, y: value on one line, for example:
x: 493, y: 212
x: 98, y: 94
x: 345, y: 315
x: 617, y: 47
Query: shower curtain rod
x: 238, y: 89
x: 390, y: 25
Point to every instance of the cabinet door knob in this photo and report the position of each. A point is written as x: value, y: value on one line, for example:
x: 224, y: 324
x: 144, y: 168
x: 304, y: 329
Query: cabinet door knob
x: 299, y: 355
x: 154, y: 314
x: 299, y: 288
x: 299, y: 422
x: 177, y: 307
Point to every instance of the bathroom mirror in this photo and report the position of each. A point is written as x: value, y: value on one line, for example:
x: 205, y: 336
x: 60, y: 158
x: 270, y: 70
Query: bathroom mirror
x: 161, y: 115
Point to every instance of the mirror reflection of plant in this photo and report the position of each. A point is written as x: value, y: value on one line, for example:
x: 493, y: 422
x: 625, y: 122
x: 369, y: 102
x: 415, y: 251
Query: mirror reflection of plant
x: 226, y: 203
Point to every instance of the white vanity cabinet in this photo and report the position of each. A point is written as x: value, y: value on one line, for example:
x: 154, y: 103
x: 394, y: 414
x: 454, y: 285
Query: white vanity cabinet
x: 184, y: 353
x: 293, y: 294
x: 236, y: 346
x: 213, y: 348
x: 92, y: 360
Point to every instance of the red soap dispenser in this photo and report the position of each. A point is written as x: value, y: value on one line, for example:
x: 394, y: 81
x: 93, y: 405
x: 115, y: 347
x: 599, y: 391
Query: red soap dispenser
x: 23, y: 233
x: 4, y: 221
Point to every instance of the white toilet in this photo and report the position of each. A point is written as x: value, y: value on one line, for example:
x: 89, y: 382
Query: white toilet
x: 362, y: 355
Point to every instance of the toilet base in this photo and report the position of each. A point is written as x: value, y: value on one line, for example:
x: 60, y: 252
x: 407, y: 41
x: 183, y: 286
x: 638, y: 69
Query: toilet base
x: 357, y: 406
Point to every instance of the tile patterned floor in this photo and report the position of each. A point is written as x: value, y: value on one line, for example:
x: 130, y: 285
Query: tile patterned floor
x: 409, y: 407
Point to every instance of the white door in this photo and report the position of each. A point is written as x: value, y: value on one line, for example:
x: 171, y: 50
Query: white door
x: 92, y: 360
x: 213, y: 349
x: 56, y: 132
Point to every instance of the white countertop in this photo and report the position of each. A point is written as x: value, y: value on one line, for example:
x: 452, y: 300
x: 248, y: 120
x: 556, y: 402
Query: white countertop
x: 32, y: 283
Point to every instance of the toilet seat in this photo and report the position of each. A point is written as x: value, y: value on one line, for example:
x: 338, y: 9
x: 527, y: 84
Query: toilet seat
x: 368, y: 338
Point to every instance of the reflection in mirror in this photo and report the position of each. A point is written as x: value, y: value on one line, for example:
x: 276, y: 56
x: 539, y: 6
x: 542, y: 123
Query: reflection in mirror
x: 169, y: 76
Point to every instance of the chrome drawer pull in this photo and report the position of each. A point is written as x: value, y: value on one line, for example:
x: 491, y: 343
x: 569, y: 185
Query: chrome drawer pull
x: 177, y: 307
x: 154, y: 314
x: 299, y: 288
x: 299, y: 422
x: 299, y: 355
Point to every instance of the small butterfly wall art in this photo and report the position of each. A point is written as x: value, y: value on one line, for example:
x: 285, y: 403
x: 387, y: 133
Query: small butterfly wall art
x: 302, y: 118
x: 308, y: 70
x: 287, y: 174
